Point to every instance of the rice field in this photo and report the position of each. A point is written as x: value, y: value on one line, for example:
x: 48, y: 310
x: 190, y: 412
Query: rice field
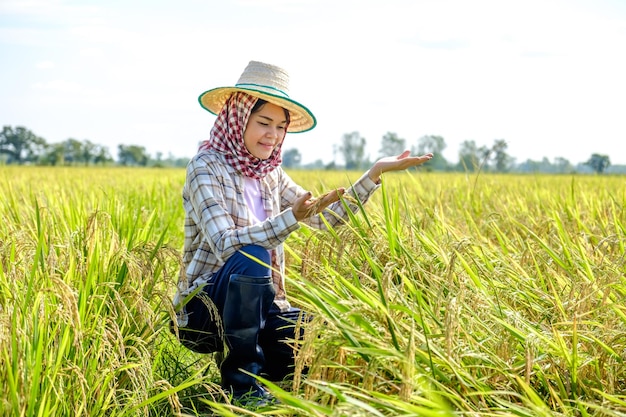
x: 451, y: 295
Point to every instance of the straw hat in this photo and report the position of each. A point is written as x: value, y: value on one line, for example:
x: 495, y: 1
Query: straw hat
x: 268, y: 82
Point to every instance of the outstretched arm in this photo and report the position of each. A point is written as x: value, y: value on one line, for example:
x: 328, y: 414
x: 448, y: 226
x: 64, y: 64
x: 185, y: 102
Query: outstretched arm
x: 396, y: 163
x: 305, y: 206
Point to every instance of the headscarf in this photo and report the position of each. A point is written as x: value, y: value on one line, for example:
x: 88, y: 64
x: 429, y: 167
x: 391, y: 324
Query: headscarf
x: 227, y: 138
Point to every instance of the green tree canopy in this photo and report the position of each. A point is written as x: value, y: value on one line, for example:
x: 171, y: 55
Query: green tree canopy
x: 353, y: 150
x: 502, y: 160
x: 291, y: 158
x: 598, y: 162
x: 432, y: 144
x: 469, y: 156
x: 391, y: 145
x: 132, y: 155
x: 20, y: 144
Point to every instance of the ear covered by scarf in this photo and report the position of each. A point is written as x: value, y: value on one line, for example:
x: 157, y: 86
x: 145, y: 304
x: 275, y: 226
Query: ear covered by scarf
x: 227, y: 138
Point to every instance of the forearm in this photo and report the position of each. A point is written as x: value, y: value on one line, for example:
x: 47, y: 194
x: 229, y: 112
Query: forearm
x: 356, y: 195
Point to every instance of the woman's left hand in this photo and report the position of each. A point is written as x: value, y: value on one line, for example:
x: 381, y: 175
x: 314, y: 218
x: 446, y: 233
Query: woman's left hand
x: 396, y: 163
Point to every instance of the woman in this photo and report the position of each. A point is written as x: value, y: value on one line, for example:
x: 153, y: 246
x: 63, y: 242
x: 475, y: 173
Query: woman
x: 240, y: 207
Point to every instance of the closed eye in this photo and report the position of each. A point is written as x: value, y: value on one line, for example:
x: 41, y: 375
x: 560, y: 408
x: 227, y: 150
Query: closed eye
x: 267, y: 120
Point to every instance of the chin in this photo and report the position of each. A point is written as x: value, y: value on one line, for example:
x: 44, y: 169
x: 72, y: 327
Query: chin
x: 264, y: 156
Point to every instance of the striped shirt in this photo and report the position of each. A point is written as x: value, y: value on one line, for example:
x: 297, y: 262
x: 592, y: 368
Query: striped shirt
x: 218, y: 221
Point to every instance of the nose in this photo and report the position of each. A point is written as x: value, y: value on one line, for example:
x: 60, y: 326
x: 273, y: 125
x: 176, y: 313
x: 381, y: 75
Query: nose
x: 273, y: 132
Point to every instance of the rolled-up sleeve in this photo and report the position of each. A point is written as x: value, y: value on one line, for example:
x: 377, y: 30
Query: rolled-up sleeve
x: 336, y: 213
x: 213, y: 203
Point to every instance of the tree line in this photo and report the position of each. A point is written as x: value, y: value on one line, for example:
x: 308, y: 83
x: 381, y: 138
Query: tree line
x: 21, y: 146
x: 471, y: 156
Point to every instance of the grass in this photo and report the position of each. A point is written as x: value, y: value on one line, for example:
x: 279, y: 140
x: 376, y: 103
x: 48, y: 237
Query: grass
x: 452, y: 295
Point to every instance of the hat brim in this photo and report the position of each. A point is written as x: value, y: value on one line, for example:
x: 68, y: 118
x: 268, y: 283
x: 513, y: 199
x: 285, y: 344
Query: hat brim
x: 301, y: 118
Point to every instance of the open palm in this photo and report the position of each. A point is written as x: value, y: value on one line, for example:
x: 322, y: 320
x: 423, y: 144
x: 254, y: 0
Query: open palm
x: 397, y: 163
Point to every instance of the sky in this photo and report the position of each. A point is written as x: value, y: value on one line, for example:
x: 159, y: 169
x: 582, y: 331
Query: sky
x: 547, y: 76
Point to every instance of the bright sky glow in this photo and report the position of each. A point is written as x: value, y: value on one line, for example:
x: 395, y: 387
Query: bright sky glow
x: 547, y: 76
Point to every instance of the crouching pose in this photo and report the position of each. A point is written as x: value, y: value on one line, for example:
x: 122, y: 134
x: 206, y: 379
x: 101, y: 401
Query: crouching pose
x: 240, y: 206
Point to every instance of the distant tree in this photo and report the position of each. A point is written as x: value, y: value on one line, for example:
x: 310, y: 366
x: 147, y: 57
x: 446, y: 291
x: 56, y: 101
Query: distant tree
x: 536, y: 166
x: 528, y: 166
x: 53, y: 155
x: 562, y: 165
x: 20, y: 145
x: 469, y: 156
x: 292, y: 158
x: 353, y: 150
x: 132, y: 155
x: 391, y: 145
x: 88, y: 151
x: 599, y: 163
x: 102, y: 155
x: 36, y: 150
x: 501, y: 158
x: 545, y: 165
x: 158, y: 160
x: 432, y: 144
x: 317, y: 164
x: 73, y: 152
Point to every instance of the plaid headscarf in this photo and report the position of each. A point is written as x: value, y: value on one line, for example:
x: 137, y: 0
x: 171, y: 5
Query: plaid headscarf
x: 227, y: 138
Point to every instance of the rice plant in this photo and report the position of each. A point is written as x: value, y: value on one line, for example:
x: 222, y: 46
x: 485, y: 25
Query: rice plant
x: 450, y: 295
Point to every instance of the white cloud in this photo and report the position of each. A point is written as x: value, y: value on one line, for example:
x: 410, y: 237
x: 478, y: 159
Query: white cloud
x: 44, y: 65
x: 61, y: 86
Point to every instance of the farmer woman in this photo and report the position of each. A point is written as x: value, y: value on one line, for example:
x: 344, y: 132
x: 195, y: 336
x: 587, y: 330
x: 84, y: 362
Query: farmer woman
x: 240, y: 206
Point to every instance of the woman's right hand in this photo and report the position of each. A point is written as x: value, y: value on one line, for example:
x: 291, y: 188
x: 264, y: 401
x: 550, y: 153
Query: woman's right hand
x: 305, y: 206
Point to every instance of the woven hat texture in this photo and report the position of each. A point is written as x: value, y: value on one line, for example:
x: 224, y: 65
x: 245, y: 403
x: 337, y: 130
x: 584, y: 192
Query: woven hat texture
x: 269, y: 82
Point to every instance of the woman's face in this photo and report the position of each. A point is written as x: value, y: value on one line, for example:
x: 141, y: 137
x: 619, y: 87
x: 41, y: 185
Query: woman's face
x: 265, y: 130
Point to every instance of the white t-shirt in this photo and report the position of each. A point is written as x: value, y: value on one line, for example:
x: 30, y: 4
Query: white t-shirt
x: 252, y: 194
